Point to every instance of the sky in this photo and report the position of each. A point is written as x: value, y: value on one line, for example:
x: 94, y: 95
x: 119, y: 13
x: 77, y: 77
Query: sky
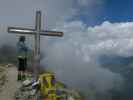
x: 118, y: 10
x: 90, y: 12
x: 107, y: 10
x: 91, y: 28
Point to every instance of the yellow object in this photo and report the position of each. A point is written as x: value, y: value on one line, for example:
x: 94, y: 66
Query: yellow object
x: 52, y: 96
x: 47, y: 82
x: 55, y: 90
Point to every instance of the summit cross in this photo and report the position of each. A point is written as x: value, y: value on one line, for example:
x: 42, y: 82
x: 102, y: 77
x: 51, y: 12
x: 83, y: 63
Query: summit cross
x: 37, y: 32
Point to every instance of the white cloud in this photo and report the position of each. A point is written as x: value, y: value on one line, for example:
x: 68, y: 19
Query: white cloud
x: 73, y: 58
x: 110, y: 37
x: 114, y: 37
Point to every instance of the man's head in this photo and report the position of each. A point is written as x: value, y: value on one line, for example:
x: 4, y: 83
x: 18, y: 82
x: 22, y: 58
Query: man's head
x: 22, y: 38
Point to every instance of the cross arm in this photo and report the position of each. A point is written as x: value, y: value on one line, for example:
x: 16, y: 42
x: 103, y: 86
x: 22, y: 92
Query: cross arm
x: 18, y: 30
x: 52, y: 33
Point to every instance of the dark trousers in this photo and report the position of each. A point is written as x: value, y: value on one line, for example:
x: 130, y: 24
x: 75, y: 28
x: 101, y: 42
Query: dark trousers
x: 22, y: 64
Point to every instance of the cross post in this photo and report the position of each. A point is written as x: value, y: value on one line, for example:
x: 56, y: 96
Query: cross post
x: 36, y: 32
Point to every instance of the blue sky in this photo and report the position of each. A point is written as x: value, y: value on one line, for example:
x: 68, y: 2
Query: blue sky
x: 119, y: 10
x: 112, y: 10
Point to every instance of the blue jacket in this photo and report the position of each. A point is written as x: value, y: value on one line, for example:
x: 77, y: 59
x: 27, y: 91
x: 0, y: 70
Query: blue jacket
x: 22, y: 49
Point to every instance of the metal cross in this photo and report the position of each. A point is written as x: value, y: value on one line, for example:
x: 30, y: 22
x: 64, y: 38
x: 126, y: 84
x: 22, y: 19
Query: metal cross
x: 36, y: 32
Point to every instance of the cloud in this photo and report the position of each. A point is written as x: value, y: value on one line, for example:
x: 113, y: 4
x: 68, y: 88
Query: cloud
x: 22, y: 14
x: 89, y: 10
x: 113, y: 37
x: 90, y: 3
x: 108, y: 37
x: 74, y: 57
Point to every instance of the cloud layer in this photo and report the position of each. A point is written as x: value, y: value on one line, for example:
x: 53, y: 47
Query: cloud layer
x: 74, y: 57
